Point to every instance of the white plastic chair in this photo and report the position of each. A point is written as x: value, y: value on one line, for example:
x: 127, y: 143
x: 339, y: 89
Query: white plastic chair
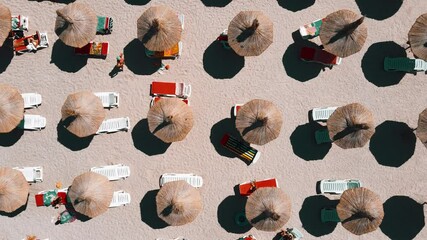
x: 322, y: 114
x: 109, y: 99
x: 338, y: 186
x: 190, y: 178
x: 114, y: 125
x: 33, y: 122
x: 120, y: 198
x: 32, y: 174
x: 31, y: 100
x: 113, y: 172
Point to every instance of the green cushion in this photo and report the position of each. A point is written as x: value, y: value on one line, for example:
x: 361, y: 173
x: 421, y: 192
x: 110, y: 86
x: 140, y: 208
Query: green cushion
x: 399, y: 64
x: 322, y: 136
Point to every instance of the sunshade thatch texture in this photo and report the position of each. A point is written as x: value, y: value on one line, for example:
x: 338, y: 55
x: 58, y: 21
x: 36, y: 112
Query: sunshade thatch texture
x: 259, y: 121
x: 250, y: 33
x: 82, y: 113
x: 170, y: 119
x: 360, y: 210
x: 159, y: 28
x: 11, y: 108
x: 13, y: 189
x: 418, y: 37
x: 5, y: 23
x: 351, y: 126
x: 91, y: 194
x: 268, y: 209
x: 343, y: 33
x: 178, y: 203
x: 422, y: 127
x: 76, y: 24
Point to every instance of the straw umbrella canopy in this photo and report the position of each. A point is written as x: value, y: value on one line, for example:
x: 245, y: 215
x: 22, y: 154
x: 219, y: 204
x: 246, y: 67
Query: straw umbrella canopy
x: 13, y: 189
x: 11, y: 108
x: 259, y: 121
x: 422, y: 127
x: 159, y: 28
x: 351, y: 126
x: 178, y: 203
x: 418, y: 37
x: 76, y: 24
x: 170, y: 119
x: 82, y: 113
x: 360, y: 210
x: 343, y: 33
x: 91, y: 194
x: 250, y: 33
x: 268, y: 209
x: 5, y: 24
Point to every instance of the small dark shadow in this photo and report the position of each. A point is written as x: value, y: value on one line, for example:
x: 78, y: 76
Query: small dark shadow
x: 6, y: 53
x: 17, y: 211
x: 222, y: 63
x: 70, y: 140
x: 64, y: 58
x: 380, y: 9
x: 148, y: 210
x: 137, y: 61
x: 403, y: 218
x: 310, y: 215
x: 295, y: 5
x: 10, y: 138
x: 318, y: 187
x: 218, y: 130
x: 145, y: 141
x: 227, y: 211
x: 55, y: 1
x: 393, y: 143
x: 137, y: 2
x: 297, y: 68
x: 373, y: 63
x: 304, y: 144
x: 114, y: 72
x: 216, y: 3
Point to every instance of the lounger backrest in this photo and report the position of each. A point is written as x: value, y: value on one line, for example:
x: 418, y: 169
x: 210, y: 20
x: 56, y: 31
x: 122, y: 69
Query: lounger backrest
x: 193, y: 180
x: 34, y: 122
x: 123, y: 171
x: 114, y: 125
x: 120, y: 198
x: 420, y: 65
x: 108, y: 99
x: 322, y: 113
x: 243, y: 150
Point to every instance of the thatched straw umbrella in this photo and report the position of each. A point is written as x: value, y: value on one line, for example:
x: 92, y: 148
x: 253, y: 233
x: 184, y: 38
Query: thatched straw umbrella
x: 351, y: 126
x: 76, y: 24
x: 418, y: 37
x: 259, y: 121
x: 170, y: 119
x: 178, y: 203
x: 91, y: 194
x: 82, y: 113
x: 250, y: 33
x: 422, y: 127
x: 360, y: 210
x: 11, y: 108
x: 13, y: 189
x: 268, y: 209
x: 5, y: 23
x: 159, y: 28
x: 343, y: 33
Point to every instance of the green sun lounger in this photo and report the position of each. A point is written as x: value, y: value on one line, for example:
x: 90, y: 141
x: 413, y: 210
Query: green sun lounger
x: 304, y: 30
x: 322, y: 136
x: 105, y: 25
x: 403, y: 64
x: 329, y: 215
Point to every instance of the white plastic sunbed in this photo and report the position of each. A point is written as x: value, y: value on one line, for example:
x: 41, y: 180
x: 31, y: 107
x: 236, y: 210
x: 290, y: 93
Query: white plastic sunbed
x: 33, y: 122
x: 32, y: 174
x: 192, y: 179
x: 31, y: 100
x: 338, y: 186
x: 109, y: 99
x: 181, y: 19
x: 113, y: 172
x: 120, y: 198
x: 295, y: 232
x: 322, y: 114
x: 114, y: 125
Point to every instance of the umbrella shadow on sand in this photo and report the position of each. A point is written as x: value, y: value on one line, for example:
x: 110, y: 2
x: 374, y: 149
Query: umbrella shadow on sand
x: 65, y: 59
x: 304, y: 144
x: 295, y: 5
x: 70, y: 140
x: 17, y: 211
x: 227, y: 211
x: 6, y: 53
x: 137, y: 2
x: 216, y: 3
x: 148, y: 210
x: 379, y: 9
x: 310, y: 215
x: 296, y: 68
x: 147, y: 142
x: 10, y: 138
x: 221, y: 63
x: 137, y: 61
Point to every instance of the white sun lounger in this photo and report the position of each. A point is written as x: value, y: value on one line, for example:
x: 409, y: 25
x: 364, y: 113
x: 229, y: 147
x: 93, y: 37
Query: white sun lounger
x: 120, y: 198
x: 32, y: 174
x: 192, y: 179
x: 338, y: 186
x: 31, y: 100
x: 322, y: 114
x: 236, y: 108
x: 114, y: 125
x: 181, y: 19
x: 109, y: 99
x: 33, y: 122
x: 113, y: 172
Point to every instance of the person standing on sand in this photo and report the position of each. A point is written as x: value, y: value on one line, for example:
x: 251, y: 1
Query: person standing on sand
x: 120, y: 62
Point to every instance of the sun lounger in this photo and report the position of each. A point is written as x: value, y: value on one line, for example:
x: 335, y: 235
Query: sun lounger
x: 31, y: 100
x: 94, y: 49
x: 403, y: 64
x: 19, y: 23
x: 322, y: 136
x: 322, y: 114
x: 236, y: 108
x: 243, y: 150
x: 171, y: 89
x: 295, y: 232
x: 109, y: 99
x: 190, y: 178
x: 178, y: 238
x: 311, y: 30
x: 32, y: 174
x: 114, y: 125
x: 248, y: 237
x: 120, y: 198
x: 45, y: 198
x: 113, y: 172
x: 105, y: 25
x: 181, y: 19
x: 338, y: 186
x: 40, y: 41
x: 309, y: 54
x: 246, y: 188
x: 156, y: 99
x: 32, y: 122
x: 171, y: 53
x: 329, y: 215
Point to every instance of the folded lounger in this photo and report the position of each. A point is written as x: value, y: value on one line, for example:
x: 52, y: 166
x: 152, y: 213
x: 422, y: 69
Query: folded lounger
x: 114, y: 125
x: 246, y: 188
x: 322, y: 114
x: 243, y: 150
x: 105, y: 25
x: 329, y: 215
x: 32, y: 122
x: 32, y: 174
x: 403, y: 64
x: 322, y: 136
x: 190, y: 178
x: 109, y: 99
x: 113, y: 172
x: 94, y: 49
x: 31, y: 100
x: 171, y: 89
x: 307, y: 32
x: 338, y: 186
x: 309, y: 54
x: 157, y: 98
x: 120, y: 198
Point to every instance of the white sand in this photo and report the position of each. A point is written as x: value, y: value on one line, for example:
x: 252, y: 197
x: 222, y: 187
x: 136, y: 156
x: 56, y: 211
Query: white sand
x: 261, y: 77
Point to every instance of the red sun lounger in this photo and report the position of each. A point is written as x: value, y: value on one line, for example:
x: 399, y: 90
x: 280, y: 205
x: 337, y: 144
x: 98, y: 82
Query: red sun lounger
x: 320, y: 56
x: 246, y: 188
x: 170, y: 89
x: 94, y: 49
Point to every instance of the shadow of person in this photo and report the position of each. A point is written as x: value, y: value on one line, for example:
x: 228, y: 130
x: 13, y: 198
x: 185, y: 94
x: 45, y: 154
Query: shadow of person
x: 310, y: 215
x: 114, y: 72
x: 227, y: 212
x: 148, y: 210
x: 393, y: 143
x: 145, y: 141
x: 137, y: 2
x: 380, y: 9
x: 6, y: 53
x: 218, y: 130
x: 10, y: 138
x: 297, y: 68
x: 137, y: 61
x: 216, y: 3
x: 17, y: 211
x: 295, y: 5
x: 373, y: 63
x: 70, y: 140
x: 222, y: 63
x: 65, y: 59
x: 304, y: 144
x: 403, y: 218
